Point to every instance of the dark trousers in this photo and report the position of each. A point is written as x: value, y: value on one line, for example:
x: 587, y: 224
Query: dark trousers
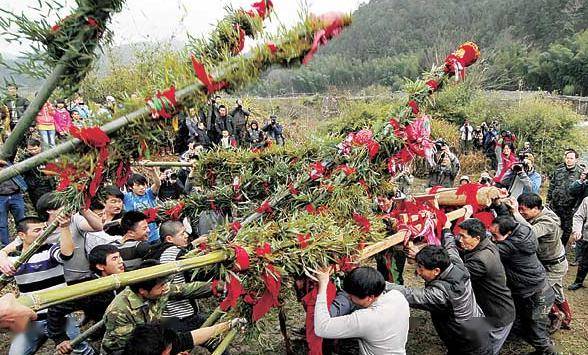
x: 583, y: 263
x: 533, y: 312
x: 565, y: 214
x: 390, y: 263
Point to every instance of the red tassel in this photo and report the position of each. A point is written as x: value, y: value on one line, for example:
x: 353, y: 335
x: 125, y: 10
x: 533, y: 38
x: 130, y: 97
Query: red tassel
x: 373, y: 148
x: 346, y: 169
x: 293, y: 190
x: 234, y: 291
x: 241, y: 258
x: 433, y: 85
x: 123, y: 173
x: 334, y: 24
x: 273, y: 281
x: 241, y: 43
x: 211, y: 85
x: 317, y: 170
x: 93, y: 136
x: 263, y: 8
x: 315, y: 343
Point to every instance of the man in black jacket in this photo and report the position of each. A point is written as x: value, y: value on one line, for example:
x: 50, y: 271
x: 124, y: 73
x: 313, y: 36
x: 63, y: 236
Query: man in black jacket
x: 482, y: 259
x: 527, y: 279
x: 16, y: 104
x: 224, y: 122
x: 448, y: 295
x: 240, y: 118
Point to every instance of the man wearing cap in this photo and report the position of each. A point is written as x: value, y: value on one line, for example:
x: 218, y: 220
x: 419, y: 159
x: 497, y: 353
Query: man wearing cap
x: 274, y: 130
x: 522, y: 178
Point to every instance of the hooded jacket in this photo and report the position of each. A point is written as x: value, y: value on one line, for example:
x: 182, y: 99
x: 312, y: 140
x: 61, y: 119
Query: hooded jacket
x: 546, y: 226
x: 525, y: 274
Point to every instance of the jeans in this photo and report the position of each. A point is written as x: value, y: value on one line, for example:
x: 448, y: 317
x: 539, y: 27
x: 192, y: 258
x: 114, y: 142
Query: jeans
x: 533, y: 314
x: 15, y: 204
x: 30, y: 341
x: 498, y: 337
x: 48, y: 138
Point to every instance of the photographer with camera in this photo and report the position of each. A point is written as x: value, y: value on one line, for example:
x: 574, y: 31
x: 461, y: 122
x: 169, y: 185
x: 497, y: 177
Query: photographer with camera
x: 171, y: 187
x: 521, y: 178
x: 446, y: 167
x: 274, y: 130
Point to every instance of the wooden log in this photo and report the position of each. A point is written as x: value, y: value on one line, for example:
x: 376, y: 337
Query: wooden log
x: 485, y: 195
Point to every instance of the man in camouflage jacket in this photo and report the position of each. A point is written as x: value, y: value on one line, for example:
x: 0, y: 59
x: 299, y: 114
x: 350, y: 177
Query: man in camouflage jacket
x: 143, y: 303
x: 558, y: 194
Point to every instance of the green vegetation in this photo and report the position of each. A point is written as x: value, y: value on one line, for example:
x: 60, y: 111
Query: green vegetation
x: 528, y: 44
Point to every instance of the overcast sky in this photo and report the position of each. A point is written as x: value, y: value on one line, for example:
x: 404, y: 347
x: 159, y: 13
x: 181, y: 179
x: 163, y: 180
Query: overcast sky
x: 162, y: 20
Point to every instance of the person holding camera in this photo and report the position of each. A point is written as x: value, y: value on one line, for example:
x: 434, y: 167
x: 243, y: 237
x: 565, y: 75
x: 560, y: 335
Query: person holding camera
x: 171, y: 187
x: 521, y: 178
x: 274, y: 130
x: 446, y: 167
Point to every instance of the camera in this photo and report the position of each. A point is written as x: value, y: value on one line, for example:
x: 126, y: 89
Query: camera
x: 439, y: 144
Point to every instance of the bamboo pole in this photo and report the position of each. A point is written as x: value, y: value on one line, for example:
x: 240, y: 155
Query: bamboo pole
x: 43, y: 299
x: 15, y: 137
x: 88, y: 333
x: 225, y: 343
x: 169, y: 164
x: 212, y: 318
x: 26, y: 255
x: 114, y: 126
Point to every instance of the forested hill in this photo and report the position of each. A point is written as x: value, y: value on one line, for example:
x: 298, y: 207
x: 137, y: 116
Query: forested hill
x: 536, y: 43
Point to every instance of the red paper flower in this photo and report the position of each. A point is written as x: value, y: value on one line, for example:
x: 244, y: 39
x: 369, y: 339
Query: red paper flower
x: 92, y: 22
x: 234, y: 291
x: 363, y: 137
x: 175, y: 212
x: 235, y: 227
x: 211, y: 85
x: 346, y: 264
x: 65, y: 173
x: 263, y: 250
x: 414, y: 106
x: 151, y: 214
x: 272, y: 47
x: 363, y: 222
x: 317, y: 170
x: 264, y: 208
x: 241, y: 258
x: 263, y: 8
x: 433, y: 85
x: 346, y: 169
x: 303, y: 240
x: 310, y: 208
x: 293, y: 190
x: 373, y: 148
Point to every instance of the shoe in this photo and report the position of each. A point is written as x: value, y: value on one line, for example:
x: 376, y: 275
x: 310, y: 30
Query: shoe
x: 575, y: 286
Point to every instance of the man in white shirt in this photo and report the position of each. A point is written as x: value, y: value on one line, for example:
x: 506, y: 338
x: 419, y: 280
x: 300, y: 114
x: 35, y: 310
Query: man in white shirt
x: 381, y: 323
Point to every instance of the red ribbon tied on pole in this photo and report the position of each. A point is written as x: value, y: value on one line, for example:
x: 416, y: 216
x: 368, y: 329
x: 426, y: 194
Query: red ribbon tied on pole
x: 211, y: 85
x: 466, y: 55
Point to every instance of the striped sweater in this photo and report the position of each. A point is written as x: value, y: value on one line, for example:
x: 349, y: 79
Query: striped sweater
x: 43, y: 271
x: 181, y: 308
